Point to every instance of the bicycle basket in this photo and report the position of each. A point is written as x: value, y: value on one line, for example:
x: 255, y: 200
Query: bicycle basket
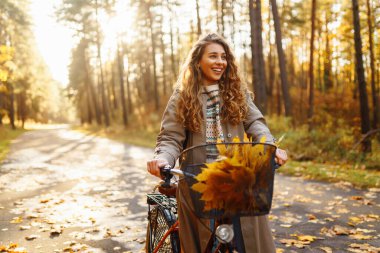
x: 237, y: 181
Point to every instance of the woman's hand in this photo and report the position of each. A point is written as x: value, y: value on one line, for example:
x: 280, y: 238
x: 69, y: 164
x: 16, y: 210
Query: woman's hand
x: 153, y: 166
x: 281, y: 156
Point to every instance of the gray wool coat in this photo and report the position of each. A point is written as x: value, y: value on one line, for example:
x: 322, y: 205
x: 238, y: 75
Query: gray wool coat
x: 173, y: 139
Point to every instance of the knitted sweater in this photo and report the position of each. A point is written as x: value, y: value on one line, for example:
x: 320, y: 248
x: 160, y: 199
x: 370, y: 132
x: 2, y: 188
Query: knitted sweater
x: 213, y: 125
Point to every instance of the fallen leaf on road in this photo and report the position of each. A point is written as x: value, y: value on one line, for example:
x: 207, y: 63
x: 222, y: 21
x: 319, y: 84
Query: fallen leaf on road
x: 373, y: 217
x: 306, y: 238
x: 339, y: 230
x: 17, y: 203
x: 12, y: 248
x: 354, y: 221
x: 326, y: 249
x: 56, y: 231
x: 32, y: 216
x: 59, y: 202
x: 365, y: 230
x: 31, y: 237
x: 292, y: 242
x: 139, y: 240
x: 361, y: 248
x: 43, y: 201
x: 357, y: 197
x: 16, y: 220
x: 327, y: 232
x: 49, y: 221
x: 25, y: 227
x: 93, y: 220
x: 361, y: 237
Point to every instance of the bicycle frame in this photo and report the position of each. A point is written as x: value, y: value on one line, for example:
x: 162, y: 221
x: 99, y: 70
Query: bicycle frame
x: 166, y: 226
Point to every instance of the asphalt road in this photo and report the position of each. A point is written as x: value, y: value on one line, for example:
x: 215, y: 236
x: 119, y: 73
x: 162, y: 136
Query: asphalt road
x: 62, y: 191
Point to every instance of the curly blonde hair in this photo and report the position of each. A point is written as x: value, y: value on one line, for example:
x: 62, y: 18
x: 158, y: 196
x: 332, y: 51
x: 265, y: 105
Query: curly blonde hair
x: 189, y: 83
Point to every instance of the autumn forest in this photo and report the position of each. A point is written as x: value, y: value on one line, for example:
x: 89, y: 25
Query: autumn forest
x: 314, y: 66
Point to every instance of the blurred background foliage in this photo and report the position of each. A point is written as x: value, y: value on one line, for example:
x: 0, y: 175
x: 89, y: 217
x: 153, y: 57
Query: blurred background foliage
x: 314, y: 67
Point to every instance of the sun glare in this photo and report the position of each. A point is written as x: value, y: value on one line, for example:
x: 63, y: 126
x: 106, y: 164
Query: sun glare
x: 54, y: 41
x: 116, y: 28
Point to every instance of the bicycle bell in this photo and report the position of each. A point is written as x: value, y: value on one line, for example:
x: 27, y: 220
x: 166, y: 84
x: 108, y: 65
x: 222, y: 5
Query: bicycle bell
x: 225, y: 233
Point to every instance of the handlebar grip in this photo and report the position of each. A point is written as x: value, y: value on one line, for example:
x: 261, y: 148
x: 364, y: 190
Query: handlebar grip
x: 166, y: 175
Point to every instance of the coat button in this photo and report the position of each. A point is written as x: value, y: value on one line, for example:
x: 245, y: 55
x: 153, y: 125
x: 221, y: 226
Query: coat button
x: 229, y: 135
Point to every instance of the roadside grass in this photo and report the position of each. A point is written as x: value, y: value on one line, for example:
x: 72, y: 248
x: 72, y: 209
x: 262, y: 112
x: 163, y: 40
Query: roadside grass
x: 6, y: 136
x: 357, y: 175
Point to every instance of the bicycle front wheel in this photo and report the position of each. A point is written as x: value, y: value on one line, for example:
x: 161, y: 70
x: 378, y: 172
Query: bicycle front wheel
x: 160, y: 221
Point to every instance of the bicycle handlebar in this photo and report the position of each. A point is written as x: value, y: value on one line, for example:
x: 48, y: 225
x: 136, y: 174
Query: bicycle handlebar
x: 167, y: 173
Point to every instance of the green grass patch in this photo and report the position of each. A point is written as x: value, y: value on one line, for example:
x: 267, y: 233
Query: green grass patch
x: 358, y: 175
x: 6, y: 136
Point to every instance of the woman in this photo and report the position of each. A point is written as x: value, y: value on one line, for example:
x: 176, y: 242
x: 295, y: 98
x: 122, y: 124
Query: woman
x: 211, y: 102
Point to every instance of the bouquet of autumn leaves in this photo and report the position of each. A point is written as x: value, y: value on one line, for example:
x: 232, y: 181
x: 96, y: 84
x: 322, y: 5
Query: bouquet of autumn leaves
x: 230, y: 183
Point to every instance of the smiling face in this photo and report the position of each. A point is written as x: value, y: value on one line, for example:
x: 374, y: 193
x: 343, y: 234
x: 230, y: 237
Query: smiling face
x: 213, y: 63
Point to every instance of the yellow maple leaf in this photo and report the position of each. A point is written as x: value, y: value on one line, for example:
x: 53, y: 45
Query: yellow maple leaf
x: 306, y: 238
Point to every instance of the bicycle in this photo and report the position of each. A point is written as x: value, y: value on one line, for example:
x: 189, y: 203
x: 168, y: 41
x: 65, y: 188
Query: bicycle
x: 162, y: 230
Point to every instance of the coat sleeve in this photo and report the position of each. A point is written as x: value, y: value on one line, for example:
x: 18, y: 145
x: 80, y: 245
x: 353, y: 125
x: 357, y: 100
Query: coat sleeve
x: 172, y: 134
x: 254, y: 124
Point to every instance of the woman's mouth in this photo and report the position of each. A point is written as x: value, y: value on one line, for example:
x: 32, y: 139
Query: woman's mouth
x: 217, y: 70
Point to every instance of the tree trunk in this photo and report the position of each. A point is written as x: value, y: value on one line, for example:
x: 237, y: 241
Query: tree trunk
x: 258, y: 64
x: 282, y: 60
x: 320, y: 51
x: 120, y: 65
x: 113, y: 87
x: 222, y: 14
x: 164, y: 84
x: 278, y: 97
x: 172, y: 57
x: 271, y: 68
x: 129, y: 99
x: 1, y: 107
x: 364, y: 110
x: 327, y: 67
x: 21, y: 107
x: 91, y: 89
x: 153, y: 43
x: 198, y: 18
x: 311, y: 65
x: 102, y: 88
x: 217, y: 19
x: 372, y: 64
x: 11, y: 105
x: 233, y: 27
x: 89, y: 111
